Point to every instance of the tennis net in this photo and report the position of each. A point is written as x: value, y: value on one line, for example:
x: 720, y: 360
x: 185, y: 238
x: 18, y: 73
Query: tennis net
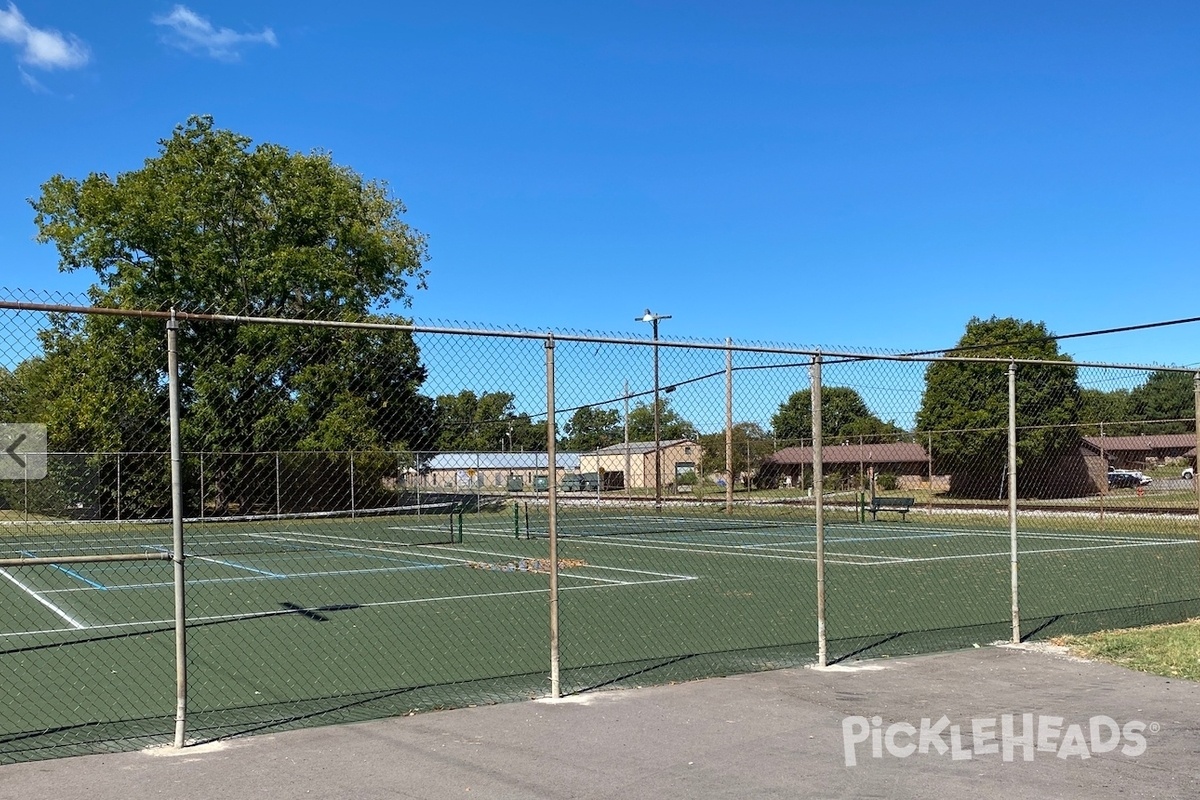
x: 581, y: 522
x: 398, y: 526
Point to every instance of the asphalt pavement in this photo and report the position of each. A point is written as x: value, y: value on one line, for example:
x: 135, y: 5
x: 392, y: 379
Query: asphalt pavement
x: 988, y: 722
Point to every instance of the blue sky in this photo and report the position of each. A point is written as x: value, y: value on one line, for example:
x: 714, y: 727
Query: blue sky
x: 849, y: 175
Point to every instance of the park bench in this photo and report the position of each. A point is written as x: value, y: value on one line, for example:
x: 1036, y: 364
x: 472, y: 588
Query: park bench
x: 899, y: 504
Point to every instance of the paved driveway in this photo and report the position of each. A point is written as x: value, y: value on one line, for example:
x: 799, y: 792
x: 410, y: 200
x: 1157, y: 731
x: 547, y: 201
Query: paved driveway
x: 989, y: 722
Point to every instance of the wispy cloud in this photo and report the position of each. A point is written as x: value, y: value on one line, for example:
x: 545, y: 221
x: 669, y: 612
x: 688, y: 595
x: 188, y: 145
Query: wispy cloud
x: 192, y: 33
x: 41, y: 48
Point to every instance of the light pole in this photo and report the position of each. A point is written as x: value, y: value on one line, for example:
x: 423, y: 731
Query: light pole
x: 653, y: 319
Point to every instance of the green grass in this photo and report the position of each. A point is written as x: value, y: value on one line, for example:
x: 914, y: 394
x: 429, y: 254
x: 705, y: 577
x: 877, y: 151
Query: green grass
x: 1172, y: 651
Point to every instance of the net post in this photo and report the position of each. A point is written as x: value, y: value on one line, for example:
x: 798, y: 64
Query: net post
x: 1012, y: 499
x: 460, y: 527
x: 516, y: 520
x: 177, y: 534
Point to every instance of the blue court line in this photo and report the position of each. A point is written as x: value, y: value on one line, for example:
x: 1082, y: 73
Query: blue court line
x: 71, y: 572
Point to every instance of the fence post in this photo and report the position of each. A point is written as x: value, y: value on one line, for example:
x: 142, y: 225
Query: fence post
x: 1196, y: 463
x: 818, y: 492
x: 202, y: 497
x: 552, y: 462
x: 628, y: 458
x: 728, y: 426
x: 177, y: 534
x: 929, y: 456
x: 1012, y: 498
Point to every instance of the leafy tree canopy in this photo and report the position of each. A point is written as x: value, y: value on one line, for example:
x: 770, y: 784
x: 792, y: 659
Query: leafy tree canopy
x: 468, y: 422
x: 1165, y: 403
x: 843, y: 414
x: 1097, y: 406
x: 965, y: 405
x: 592, y: 428
x: 214, y: 223
x: 670, y: 424
x: 751, y: 444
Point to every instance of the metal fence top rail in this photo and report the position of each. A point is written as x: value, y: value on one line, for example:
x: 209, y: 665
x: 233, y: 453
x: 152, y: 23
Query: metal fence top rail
x: 550, y: 337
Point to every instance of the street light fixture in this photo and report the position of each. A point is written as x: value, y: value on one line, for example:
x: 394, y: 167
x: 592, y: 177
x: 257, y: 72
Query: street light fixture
x: 653, y: 319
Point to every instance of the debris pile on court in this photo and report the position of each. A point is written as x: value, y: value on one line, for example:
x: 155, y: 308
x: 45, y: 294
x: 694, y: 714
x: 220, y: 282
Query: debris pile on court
x: 537, y: 565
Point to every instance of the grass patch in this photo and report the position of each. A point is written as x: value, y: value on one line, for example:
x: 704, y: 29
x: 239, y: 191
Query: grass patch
x: 1172, y: 651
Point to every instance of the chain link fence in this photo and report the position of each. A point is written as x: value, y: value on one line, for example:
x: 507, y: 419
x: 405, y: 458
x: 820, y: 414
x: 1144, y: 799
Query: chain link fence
x: 213, y: 526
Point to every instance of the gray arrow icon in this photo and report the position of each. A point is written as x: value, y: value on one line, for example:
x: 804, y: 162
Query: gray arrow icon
x: 12, y: 450
x: 24, y: 456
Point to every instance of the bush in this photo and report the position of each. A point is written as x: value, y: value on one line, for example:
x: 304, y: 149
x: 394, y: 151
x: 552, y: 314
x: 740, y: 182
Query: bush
x: 887, y: 482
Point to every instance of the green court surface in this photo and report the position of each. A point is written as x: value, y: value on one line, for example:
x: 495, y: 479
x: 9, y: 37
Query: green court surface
x: 313, y: 621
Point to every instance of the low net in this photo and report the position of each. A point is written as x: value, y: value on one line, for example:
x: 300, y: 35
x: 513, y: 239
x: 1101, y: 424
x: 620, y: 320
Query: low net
x: 363, y: 529
x: 532, y: 521
x: 322, y: 531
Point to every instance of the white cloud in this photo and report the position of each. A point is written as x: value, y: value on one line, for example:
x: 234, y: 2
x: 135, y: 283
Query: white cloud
x: 43, y: 48
x: 189, y: 31
x: 32, y: 83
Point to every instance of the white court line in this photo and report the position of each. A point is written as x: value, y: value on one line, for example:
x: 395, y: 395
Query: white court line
x: 451, y: 561
x: 376, y: 604
x: 725, y: 550
x: 730, y: 549
x: 74, y: 623
x: 345, y: 542
x: 1097, y: 536
x: 235, y: 565
x: 1007, y: 553
x: 843, y: 558
x: 203, y: 581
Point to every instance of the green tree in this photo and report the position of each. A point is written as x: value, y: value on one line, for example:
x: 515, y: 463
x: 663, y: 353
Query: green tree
x: 592, y: 428
x: 213, y: 223
x: 468, y: 422
x: 1111, y: 408
x: 1165, y: 403
x: 670, y: 424
x: 844, y: 414
x: 968, y: 403
x: 751, y: 444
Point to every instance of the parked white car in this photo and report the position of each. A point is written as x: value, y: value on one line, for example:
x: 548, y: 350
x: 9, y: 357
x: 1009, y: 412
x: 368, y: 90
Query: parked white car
x: 1189, y: 474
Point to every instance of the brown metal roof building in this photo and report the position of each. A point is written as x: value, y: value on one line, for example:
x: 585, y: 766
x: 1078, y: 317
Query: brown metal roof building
x: 1139, y: 451
x: 898, y: 458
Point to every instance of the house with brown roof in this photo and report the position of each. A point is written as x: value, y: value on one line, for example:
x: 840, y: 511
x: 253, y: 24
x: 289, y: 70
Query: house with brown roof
x: 851, y: 463
x: 1143, y: 452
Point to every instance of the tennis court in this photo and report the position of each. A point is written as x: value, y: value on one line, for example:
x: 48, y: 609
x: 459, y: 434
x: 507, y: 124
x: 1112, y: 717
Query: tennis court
x: 317, y: 620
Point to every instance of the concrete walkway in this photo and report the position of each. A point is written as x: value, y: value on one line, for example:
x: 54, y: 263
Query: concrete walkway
x: 1094, y: 731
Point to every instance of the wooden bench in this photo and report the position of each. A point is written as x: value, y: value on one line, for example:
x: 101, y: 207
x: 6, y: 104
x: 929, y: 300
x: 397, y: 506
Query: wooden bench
x: 899, y: 504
